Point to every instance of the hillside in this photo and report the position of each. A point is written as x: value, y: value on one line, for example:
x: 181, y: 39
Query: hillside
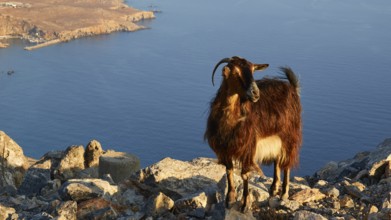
x: 52, y: 21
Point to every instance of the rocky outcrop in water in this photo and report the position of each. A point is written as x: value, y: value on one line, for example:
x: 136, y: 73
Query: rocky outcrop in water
x: 61, y: 186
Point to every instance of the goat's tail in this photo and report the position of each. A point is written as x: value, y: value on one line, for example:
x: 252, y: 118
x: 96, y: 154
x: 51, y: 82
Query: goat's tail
x: 292, y: 78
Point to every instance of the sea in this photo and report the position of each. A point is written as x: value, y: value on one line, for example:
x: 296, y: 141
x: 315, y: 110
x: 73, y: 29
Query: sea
x: 148, y: 92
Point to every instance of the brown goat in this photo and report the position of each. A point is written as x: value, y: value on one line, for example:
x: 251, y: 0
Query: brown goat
x: 255, y: 122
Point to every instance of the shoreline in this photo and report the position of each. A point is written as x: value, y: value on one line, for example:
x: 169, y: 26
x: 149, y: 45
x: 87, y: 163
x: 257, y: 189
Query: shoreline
x: 48, y: 22
x: 88, y: 182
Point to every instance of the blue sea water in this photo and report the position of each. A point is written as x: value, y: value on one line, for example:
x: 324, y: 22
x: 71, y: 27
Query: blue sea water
x: 148, y: 92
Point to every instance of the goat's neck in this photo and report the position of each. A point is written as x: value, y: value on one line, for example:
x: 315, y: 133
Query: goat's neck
x: 234, y: 110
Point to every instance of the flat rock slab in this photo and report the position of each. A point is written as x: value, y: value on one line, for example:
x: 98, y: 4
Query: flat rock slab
x: 179, y: 178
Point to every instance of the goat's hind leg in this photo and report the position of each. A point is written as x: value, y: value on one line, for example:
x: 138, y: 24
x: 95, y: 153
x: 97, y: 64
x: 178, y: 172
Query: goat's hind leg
x: 231, y: 194
x: 285, y: 184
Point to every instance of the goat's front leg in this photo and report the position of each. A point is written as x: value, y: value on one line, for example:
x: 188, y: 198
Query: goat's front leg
x: 246, y: 198
x: 285, y: 184
x: 276, y: 179
x: 231, y: 194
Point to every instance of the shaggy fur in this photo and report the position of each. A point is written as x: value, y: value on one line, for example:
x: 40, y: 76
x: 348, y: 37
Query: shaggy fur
x: 236, y: 123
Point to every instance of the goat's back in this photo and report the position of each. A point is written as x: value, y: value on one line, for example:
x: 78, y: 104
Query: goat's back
x: 278, y: 113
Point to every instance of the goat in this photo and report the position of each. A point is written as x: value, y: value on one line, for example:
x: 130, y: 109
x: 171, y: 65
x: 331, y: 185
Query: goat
x: 255, y: 122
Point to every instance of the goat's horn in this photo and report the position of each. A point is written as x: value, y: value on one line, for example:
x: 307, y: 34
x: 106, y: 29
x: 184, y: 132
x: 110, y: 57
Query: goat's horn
x: 225, y: 60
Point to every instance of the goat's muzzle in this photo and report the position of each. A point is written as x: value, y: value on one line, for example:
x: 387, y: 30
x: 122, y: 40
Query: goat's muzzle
x: 253, y: 92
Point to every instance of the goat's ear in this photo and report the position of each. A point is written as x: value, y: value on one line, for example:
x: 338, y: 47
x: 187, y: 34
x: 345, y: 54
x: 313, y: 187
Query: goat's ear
x: 226, y: 71
x: 260, y: 67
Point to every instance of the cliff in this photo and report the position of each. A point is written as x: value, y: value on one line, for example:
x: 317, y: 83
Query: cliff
x: 91, y: 183
x: 53, y: 21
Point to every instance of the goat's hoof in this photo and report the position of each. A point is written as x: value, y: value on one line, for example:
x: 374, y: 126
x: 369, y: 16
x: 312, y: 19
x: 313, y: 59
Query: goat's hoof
x: 230, y: 199
x: 246, y: 203
x: 284, y: 196
x: 273, y: 192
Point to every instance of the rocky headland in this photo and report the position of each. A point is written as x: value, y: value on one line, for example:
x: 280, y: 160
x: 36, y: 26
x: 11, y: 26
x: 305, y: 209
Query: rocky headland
x: 92, y: 183
x: 48, y: 22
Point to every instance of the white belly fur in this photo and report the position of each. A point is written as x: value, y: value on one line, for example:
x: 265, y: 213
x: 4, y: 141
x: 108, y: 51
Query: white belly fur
x: 268, y: 149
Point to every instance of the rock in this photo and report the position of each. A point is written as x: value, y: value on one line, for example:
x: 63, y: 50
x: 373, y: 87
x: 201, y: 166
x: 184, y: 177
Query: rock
x: 274, y: 202
x: 190, y: 203
x: 331, y: 192
x: 378, y: 169
x: 346, y: 202
x: 299, y: 180
x: 71, y: 164
x: 6, y: 212
x: 67, y: 210
x: 329, y: 171
x: 306, y: 215
x: 232, y: 214
x: 159, y: 204
x: 131, y: 198
x: 308, y: 195
x: 92, y: 153
x: 355, y: 189
x: 387, y: 171
x: 34, y: 180
x: 178, y: 179
x: 290, y: 204
x: 118, y: 164
x: 13, y: 163
x: 386, y: 203
x: 84, y: 189
x: 95, y: 208
x: 320, y: 184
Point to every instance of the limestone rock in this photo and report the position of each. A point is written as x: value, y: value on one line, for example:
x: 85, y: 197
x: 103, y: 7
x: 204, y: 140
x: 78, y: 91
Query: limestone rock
x: 232, y: 214
x: 6, y: 212
x: 67, y: 210
x: 95, y: 208
x: 308, y: 195
x: 84, y: 189
x: 177, y: 178
x: 190, y: 203
x: 12, y: 160
x: 71, y: 163
x: 331, y: 191
x: 92, y: 153
x: 347, y: 201
x: 306, y: 215
x: 131, y: 198
x: 118, y: 164
x: 158, y: 204
x: 355, y: 189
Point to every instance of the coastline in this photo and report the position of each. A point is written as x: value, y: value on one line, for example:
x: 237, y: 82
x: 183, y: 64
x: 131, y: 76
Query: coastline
x: 47, y: 22
x: 92, y: 183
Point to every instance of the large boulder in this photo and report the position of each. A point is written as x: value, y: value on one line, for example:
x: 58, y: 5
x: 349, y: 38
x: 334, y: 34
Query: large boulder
x: 13, y: 163
x: 178, y: 179
x: 71, y: 164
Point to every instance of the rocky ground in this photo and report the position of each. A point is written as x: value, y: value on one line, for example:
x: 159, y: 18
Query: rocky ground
x: 51, y: 21
x: 91, y: 183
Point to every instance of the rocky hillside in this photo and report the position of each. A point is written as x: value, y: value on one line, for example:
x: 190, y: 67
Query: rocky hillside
x: 52, y: 21
x: 91, y: 183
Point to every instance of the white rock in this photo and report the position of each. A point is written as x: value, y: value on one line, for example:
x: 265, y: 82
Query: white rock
x: 83, y: 189
x: 307, y: 215
x: 189, y: 203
